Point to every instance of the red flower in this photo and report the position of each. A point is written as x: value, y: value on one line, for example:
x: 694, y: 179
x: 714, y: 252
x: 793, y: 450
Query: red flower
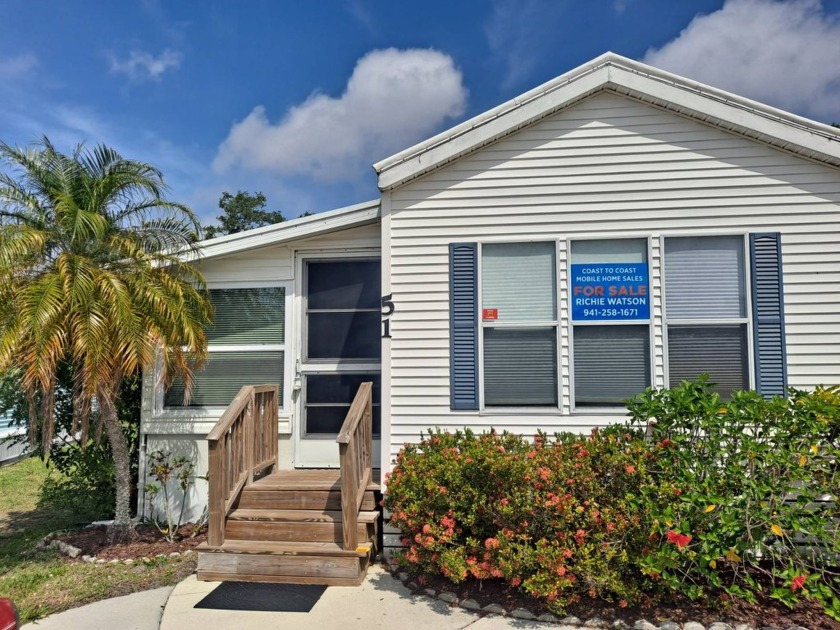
x: 797, y: 582
x: 629, y: 469
x: 491, y: 543
x: 680, y: 540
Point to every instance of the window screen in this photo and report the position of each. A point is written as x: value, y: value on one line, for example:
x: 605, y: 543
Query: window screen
x: 520, y: 367
x: 612, y: 349
x: 225, y: 373
x: 720, y: 351
x: 704, y: 278
x: 612, y: 363
x: 706, y: 311
x: 518, y: 280
x: 519, y: 289
x: 254, y: 321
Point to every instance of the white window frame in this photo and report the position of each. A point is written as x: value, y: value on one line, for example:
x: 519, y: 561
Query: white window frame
x: 285, y: 347
x: 493, y: 410
x: 744, y: 321
x: 609, y: 410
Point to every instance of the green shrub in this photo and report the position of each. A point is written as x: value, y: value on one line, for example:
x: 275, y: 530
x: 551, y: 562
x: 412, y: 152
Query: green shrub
x: 745, y: 492
x: 87, y: 485
x: 557, y: 518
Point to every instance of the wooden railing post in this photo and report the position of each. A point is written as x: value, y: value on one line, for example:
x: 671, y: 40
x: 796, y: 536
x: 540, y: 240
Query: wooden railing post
x: 237, y: 450
x: 349, y: 488
x: 250, y: 438
x: 215, y: 507
x: 355, y: 458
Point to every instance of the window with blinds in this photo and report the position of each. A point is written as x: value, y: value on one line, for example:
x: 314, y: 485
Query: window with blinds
x: 519, y: 324
x: 611, y: 357
x: 706, y: 312
x: 246, y: 346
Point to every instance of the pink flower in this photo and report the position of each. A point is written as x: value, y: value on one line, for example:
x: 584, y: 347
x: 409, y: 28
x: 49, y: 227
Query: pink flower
x: 491, y: 543
x: 629, y: 469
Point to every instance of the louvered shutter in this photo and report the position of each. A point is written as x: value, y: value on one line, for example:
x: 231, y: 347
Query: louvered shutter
x: 768, y: 314
x: 463, y: 316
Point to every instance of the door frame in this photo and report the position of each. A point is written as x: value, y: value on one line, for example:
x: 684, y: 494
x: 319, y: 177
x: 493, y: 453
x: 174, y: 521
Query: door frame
x: 301, y: 368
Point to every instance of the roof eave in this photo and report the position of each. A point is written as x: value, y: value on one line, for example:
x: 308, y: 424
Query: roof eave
x: 612, y: 72
x: 278, y: 233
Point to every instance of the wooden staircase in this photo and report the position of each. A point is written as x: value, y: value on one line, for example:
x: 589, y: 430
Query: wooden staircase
x: 315, y: 526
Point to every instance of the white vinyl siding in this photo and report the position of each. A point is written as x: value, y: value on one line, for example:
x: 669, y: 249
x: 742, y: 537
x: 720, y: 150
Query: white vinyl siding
x: 608, y: 166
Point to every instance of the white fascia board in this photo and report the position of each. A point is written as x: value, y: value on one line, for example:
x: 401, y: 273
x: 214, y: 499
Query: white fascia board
x: 619, y: 74
x: 729, y: 111
x: 493, y: 124
x: 321, y: 223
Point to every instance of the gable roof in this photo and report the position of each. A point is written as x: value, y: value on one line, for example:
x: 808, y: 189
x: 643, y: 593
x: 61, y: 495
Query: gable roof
x: 305, y: 227
x: 611, y: 72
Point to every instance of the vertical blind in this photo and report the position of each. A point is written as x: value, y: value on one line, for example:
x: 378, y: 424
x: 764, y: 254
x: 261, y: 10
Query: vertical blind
x: 612, y: 363
x: 704, y: 277
x: 520, y: 367
x: 518, y: 279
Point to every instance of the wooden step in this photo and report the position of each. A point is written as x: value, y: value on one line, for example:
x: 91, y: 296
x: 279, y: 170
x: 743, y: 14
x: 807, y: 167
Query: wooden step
x: 284, y: 562
x: 294, y: 525
x: 263, y: 497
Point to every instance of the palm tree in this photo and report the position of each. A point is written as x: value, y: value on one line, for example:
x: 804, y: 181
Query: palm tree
x: 90, y: 275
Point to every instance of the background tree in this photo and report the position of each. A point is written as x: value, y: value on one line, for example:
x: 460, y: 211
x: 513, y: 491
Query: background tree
x: 241, y: 212
x: 90, y: 276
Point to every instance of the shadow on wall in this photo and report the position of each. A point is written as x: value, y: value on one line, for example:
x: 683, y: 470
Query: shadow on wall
x: 172, y: 446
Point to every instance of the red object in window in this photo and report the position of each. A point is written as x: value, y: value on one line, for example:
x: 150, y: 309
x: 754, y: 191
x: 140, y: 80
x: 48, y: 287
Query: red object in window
x: 9, y: 619
x: 489, y: 314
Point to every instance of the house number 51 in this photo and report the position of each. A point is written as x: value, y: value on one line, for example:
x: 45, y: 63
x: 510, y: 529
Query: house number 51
x: 387, y: 311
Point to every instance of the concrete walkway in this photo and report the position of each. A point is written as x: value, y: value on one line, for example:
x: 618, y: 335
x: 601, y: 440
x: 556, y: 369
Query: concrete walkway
x: 380, y: 602
x: 138, y: 611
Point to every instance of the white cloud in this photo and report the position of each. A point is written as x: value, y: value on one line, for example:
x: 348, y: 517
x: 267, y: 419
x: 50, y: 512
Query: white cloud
x: 17, y: 66
x: 781, y: 53
x: 143, y: 65
x: 393, y: 99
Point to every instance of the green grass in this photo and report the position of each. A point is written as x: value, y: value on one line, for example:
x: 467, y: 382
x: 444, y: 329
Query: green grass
x: 44, y: 582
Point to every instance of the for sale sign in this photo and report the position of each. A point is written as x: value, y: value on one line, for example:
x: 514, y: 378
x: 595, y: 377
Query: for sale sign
x: 610, y: 292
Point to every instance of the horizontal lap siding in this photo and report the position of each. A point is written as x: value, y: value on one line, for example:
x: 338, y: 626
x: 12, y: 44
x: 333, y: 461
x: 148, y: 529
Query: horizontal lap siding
x: 612, y: 166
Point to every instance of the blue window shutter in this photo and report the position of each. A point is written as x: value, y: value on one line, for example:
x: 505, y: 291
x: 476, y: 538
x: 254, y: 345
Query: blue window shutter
x: 768, y: 314
x: 463, y: 324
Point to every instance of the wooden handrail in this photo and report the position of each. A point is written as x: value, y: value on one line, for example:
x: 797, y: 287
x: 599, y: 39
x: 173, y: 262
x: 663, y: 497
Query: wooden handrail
x: 355, y: 448
x: 241, y: 444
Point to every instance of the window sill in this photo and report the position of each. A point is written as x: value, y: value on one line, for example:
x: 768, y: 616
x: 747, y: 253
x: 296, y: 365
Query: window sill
x: 600, y: 411
x: 520, y: 411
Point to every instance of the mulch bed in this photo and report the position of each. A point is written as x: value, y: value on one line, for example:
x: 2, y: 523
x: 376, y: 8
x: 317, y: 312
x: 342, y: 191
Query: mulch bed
x: 150, y: 543
x: 680, y: 610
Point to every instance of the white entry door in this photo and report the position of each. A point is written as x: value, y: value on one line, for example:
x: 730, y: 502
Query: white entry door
x: 341, y: 348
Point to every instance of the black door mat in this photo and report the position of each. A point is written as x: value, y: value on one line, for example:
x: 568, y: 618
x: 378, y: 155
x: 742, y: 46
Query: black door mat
x: 263, y: 597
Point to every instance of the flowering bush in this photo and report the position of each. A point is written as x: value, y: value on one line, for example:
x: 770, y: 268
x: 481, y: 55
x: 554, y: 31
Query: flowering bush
x: 736, y: 498
x: 556, y: 518
x: 745, y: 493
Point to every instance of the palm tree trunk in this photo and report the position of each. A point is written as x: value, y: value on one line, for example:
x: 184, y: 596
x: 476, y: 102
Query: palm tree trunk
x: 121, y: 529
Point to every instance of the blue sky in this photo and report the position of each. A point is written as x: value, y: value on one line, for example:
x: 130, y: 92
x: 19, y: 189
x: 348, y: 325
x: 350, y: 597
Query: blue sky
x: 298, y: 99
